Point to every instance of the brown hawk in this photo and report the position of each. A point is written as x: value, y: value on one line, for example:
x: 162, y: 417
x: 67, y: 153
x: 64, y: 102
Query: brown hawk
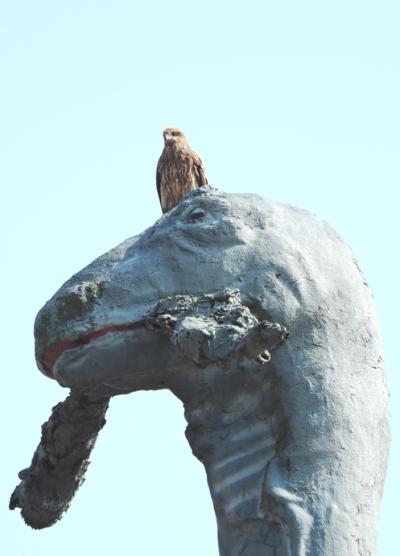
x: 179, y: 169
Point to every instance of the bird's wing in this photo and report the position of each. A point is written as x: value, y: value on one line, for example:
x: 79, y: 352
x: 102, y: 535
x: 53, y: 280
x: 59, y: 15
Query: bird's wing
x: 200, y: 171
x: 158, y: 179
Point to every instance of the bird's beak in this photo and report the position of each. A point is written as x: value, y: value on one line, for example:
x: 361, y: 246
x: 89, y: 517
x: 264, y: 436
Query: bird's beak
x: 167, y: 137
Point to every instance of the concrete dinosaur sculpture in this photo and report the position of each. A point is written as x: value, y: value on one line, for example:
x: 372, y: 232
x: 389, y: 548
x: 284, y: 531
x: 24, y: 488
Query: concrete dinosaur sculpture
x: 292, y: 430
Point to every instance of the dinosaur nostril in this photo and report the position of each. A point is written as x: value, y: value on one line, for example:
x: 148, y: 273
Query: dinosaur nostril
x: 76, y: 304
x: 70, y: 306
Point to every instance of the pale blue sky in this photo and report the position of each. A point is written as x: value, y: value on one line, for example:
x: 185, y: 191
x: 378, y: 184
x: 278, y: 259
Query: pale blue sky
x: 298, y: 101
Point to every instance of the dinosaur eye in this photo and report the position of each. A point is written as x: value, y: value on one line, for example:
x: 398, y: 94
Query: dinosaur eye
x: 196, y: 215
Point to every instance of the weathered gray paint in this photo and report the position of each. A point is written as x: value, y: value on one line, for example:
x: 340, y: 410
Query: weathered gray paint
x: 295, y: 449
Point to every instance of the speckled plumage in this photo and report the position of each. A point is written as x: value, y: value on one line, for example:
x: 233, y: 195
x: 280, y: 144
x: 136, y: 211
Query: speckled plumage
x: 179, y: 169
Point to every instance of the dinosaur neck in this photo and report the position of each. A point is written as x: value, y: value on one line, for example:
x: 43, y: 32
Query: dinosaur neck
x: 236, y: 440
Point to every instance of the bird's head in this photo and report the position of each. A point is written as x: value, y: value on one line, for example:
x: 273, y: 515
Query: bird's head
x: 173, y: 135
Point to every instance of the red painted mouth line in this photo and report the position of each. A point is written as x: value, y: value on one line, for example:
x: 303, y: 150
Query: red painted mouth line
x: 52, y: 354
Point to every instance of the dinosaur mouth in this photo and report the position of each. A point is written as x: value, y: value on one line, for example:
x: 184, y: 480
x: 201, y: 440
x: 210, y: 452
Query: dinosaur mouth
x: 47, y: 361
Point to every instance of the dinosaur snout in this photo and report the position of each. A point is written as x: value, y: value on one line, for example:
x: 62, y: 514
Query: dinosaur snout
x: 56, y: 323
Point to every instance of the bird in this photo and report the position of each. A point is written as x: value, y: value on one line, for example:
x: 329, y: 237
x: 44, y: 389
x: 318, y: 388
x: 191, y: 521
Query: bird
x: 179, y: 169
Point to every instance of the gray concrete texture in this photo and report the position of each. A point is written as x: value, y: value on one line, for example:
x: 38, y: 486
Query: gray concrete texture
x: 256, y: 315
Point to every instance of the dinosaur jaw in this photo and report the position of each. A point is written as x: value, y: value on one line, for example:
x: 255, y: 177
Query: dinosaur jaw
x: 116, y: 359
x: 46, y: 360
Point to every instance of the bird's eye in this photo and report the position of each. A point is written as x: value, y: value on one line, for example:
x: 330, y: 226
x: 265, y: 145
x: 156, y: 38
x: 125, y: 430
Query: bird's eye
x: 197, y: 215
x: 174, y: 133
